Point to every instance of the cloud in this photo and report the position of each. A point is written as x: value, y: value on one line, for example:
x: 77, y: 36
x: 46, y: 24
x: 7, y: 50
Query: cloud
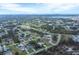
x: 45, y: 8
x: 17, y: 8
x: 39, y: 1
x: 61, y: 7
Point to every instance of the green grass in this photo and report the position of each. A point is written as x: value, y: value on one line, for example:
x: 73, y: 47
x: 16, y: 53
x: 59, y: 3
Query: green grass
x: 14, y: 50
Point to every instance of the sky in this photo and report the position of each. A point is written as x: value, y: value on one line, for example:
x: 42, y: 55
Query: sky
x: 39, y: 8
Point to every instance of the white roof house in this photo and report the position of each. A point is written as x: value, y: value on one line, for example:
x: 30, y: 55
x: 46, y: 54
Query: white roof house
x: 75, y: 38
x: 21, y: 46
